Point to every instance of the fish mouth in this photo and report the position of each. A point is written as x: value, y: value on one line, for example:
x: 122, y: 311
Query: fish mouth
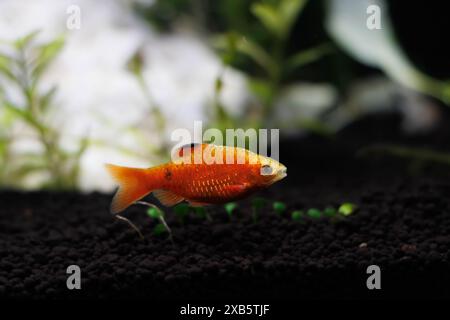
x: 281, y: 175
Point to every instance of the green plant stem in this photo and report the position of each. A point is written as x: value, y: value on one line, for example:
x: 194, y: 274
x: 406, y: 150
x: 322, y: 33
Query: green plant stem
x: 46, y: 136
x: 160, y: 217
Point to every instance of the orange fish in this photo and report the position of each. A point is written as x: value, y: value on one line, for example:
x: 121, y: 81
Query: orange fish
x: 200, y: 174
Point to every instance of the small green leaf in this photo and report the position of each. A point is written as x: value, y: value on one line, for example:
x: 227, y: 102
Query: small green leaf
x: 314, y: 213
x: 289, y: 10
x: 136, y: 63
x: 218, y: 85
x: 46, y: 55
x: 181, y: 209
x: 6, y: 67
x: 347, y: 208
x: 159, y: 229
x: 233, y: 43
x: 269, y: 17
x: 329, y: 211
x: 25, y: 40
x: 297, y: 215
x: 46, y: 99
x: 279, y: 207
x: 230, y: 207
x: 307, y: 56
x: 154, y: 213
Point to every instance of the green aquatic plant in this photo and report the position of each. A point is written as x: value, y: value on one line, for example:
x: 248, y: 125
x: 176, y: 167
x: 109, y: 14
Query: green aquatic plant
x: 314, y: 213
x: 277, y: 19
x: 347, y: 208
x: 329, y: 211
x: 279, y: 207
x: 230, y: 208
x: 344, y: 209
x: 201, y: 212
x: 22, y: 65
x: 156, y: 213
x: 297, y: 215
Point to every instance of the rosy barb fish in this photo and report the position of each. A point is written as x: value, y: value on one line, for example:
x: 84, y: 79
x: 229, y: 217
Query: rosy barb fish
x: 199, y: 183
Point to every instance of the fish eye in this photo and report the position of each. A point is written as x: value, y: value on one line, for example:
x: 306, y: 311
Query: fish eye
x: 266, y: 170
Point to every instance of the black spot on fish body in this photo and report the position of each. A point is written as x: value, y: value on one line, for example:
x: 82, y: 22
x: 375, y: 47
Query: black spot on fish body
x: 168, y: 174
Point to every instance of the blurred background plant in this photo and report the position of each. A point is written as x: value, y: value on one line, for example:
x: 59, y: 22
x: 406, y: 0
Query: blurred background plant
x: 23, y: 65
x: 142, y: 68
x: 274, y: 65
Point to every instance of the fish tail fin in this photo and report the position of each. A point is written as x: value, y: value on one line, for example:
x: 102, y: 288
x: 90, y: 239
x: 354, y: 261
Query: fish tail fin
x: 132, y: 186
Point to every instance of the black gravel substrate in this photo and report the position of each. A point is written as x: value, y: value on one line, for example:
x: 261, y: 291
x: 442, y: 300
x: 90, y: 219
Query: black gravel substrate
x: 402, y: 225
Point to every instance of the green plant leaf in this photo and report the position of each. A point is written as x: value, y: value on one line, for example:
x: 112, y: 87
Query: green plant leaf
x: 136, y: 63
x: 307, y: 56
x: 329, y: 211
x: 181, y: 209
x: 230, y: 207
x: 269, y: 17
x: 347, y: 208
x: 278, y: 20
x: 159, y: 229
x: 289, y: 11
x: 6, y: 66
x: 297, y: 215
x: 279, y: 207
x: 46, y: 54
x: 314, y: 213
x: 154, y: 213
x: 22, y: 42
x: 25, y: 115
x: 46, y: 99
x: 233, y: 42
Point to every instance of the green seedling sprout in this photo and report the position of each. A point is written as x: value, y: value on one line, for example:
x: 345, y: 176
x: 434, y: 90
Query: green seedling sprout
x: 202, y: 213
x: 230, y: 207
x: 314, y: 213
x: 181, y: 210
x: 329, y: 211
x: 257, y: 204
x: 297, y: 215
x: 347, y: 208
x: 156, y: 213
x: 159, y: 229
x: 279, y: 207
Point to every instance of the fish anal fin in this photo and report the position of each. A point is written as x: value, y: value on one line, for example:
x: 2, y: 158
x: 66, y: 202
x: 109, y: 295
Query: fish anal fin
x: 167, y: 198
x: 193, y: 203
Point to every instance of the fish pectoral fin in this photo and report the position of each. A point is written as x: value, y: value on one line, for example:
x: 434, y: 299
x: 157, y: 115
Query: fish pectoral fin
x: 167, y: 198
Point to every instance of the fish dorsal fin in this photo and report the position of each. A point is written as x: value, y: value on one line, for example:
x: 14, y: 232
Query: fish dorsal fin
x: 188, y: 149
x: 167, y: 198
